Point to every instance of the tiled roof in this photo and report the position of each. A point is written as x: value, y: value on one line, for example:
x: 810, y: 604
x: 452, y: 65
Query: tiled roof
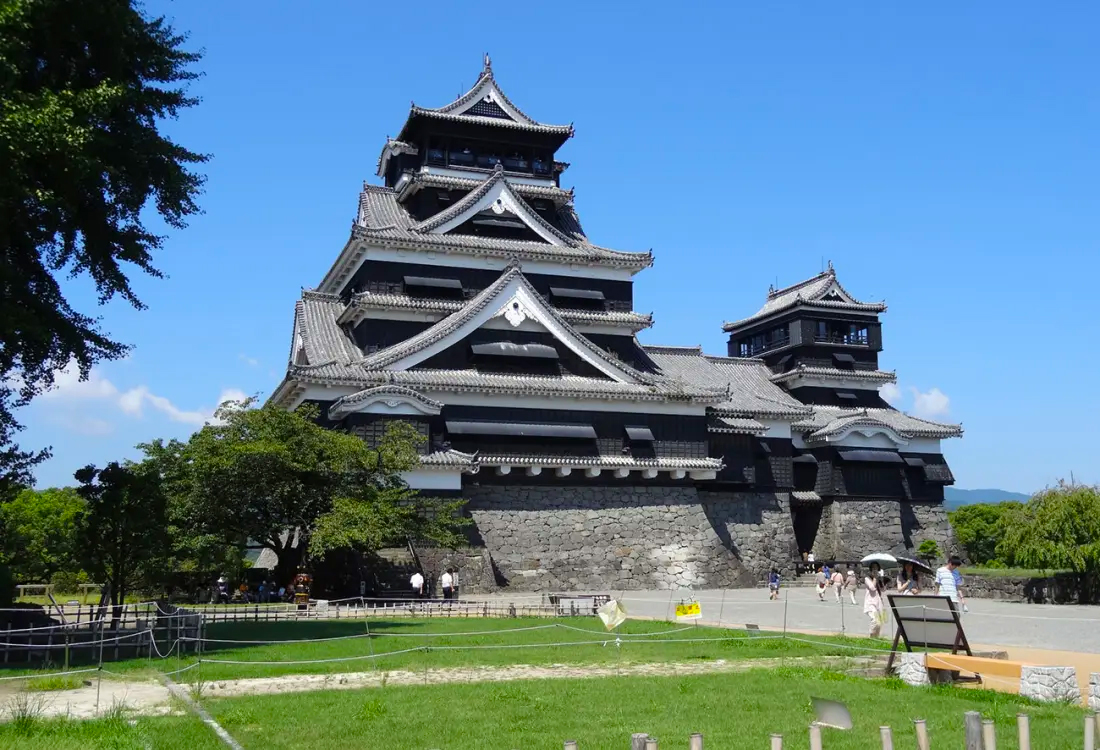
x: 805, y: 496
x: 606, y: 462
x: 472, y: 381
x: 342, y: 406
x: 391, y: 149
x: 747, y: 381
x: 736, y: 425
x: 363, y: 302
x: 382, y: 218
x: 458, y: 110
x: 827, y: 421
x: 323, y: 339
x: 450, y: 459
x: 803, y: 371
x: 427, y: 179
x: 811, y: 291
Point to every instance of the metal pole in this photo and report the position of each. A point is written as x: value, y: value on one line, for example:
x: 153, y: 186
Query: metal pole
x: 786, y: 598
x: 722, y: 608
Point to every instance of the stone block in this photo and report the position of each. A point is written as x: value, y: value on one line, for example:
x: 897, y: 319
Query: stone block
x: 911, y: 669
x: 1094, y: 691
x: 1050, y: 684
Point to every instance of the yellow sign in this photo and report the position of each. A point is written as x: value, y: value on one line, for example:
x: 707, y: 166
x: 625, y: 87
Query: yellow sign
x: 689, y: 611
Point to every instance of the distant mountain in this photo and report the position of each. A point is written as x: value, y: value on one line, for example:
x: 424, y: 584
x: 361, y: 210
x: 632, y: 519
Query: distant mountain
x: 954, y: 497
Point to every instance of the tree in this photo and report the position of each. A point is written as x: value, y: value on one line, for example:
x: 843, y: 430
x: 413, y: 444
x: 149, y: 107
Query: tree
x: 1059, y: 529
x: 84, y: 87
x: 122, y: 530
x: 980, y: 528
x: 40, y: 533
x: 277, y: 478
x: 382, y: 509
x: 929, y: 550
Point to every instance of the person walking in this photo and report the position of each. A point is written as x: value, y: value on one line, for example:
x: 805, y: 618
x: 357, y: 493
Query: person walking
x: 837, y: 582
x: 821, y: 582
x: 908, y: 582
x: 949, y: 582
x: 416, y: 582
x: 873, y: 605
x: 773, y: 584
x: 851, y: 584
x: 446, y: 582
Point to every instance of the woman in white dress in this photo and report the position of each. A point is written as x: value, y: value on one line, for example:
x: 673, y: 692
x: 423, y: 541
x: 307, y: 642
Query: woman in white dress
x: 873, y: 606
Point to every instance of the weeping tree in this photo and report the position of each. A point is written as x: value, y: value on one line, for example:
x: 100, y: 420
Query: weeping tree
x: 1059, y: 529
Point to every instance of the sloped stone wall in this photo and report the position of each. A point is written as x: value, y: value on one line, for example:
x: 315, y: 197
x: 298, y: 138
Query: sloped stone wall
x: 544, y: 538
x: 859, y: 527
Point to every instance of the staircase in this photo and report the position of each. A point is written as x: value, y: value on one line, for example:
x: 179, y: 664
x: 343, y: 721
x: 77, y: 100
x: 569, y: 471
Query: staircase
x: 393, y: 567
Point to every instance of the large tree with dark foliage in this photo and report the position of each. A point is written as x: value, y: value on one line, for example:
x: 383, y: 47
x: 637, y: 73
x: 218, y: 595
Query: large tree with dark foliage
x: 123, y: 528
x: 84, y: 87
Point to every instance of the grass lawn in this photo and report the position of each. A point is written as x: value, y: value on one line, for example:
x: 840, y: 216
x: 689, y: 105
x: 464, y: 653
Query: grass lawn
x: 432, y: 643
x: 732, y: 710
x: 116, y: 733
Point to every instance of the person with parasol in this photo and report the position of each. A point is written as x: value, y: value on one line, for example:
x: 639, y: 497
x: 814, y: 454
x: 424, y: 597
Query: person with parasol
x: 875, y: 584
x: 909, y: 573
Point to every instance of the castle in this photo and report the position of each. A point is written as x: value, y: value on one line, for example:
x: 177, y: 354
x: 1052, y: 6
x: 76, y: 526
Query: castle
x: 470, y: 303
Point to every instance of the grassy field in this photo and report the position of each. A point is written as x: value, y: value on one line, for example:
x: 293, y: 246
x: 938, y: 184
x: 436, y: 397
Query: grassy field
x: 434, y: 643
x: 116, y: 732
x: 738, y: 710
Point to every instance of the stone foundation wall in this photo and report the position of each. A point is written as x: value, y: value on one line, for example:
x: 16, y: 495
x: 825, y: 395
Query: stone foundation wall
x: 1052, y: 684
x: 1061, y: 589
x: 543, y: 538
x: 858, y: 527
x: 1094, y: 691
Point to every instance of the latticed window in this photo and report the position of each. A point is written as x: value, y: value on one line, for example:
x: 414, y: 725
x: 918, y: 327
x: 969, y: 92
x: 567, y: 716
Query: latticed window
x: 681, y: 449
x: 373, y: 432
x: 486, y: 108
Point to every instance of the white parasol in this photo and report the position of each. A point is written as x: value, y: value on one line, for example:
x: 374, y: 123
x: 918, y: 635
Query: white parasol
x: 884, y: 559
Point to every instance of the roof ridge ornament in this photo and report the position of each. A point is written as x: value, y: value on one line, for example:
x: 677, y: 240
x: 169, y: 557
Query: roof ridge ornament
x: 488, y: 65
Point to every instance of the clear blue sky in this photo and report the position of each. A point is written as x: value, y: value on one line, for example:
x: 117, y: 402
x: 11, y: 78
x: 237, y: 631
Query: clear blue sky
x: 945, y: 160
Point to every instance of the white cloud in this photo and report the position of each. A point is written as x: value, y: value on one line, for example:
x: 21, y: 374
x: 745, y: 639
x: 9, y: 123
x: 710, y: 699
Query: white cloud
x: 69, y: 387
x: 890, y: 392
x: 931, y: 403
x: 82, y: 424
x: 250, y: 361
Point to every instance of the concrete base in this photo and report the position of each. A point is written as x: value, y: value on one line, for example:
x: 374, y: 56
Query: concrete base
x: 1094, y: 691
x: 1050, y: 684
x: 911, y: 669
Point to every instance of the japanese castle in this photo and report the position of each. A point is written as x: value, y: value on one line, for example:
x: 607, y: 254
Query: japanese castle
x: 470, y: 303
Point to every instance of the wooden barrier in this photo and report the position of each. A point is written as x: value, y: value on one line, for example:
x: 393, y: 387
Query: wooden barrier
x: 978, y: 665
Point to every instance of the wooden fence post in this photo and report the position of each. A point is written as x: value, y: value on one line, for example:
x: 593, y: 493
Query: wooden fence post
x: 1023, y: 728
x: 973, y: 730
x: 637, y: 740
x: 570, y: 745
x: 922, y: 734
x: 887, y: 736
x: 696, y: 742
x: 777, y: 742
x: 651, y: 744
x: 989, y: 735
x: 1090, y: 731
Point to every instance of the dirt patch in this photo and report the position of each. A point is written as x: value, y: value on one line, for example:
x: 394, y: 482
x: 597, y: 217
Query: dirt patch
x: 152, y: 698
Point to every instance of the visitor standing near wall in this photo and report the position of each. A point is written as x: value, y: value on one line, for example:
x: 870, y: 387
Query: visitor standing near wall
x: 821, y: 582
x: 838, y: 584
x: 773, y: 584
x: 949, y: 581
x: 417, y: 584
x: 446, y: 582
x: 873, y: 605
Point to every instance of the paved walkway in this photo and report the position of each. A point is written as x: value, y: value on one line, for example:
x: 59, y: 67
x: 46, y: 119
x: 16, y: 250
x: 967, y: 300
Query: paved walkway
x: 1062, y: 627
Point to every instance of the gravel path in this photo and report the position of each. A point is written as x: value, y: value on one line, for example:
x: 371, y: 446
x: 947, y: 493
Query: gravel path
x: 152, y: 698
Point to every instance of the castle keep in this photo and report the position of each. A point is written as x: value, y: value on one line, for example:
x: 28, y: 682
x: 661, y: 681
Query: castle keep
x: 469, y: 302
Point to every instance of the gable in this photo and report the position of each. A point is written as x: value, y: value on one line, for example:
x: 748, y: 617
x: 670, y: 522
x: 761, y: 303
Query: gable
x: 835, y: 293
x: 494, y: 203
x: 511, y: 303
